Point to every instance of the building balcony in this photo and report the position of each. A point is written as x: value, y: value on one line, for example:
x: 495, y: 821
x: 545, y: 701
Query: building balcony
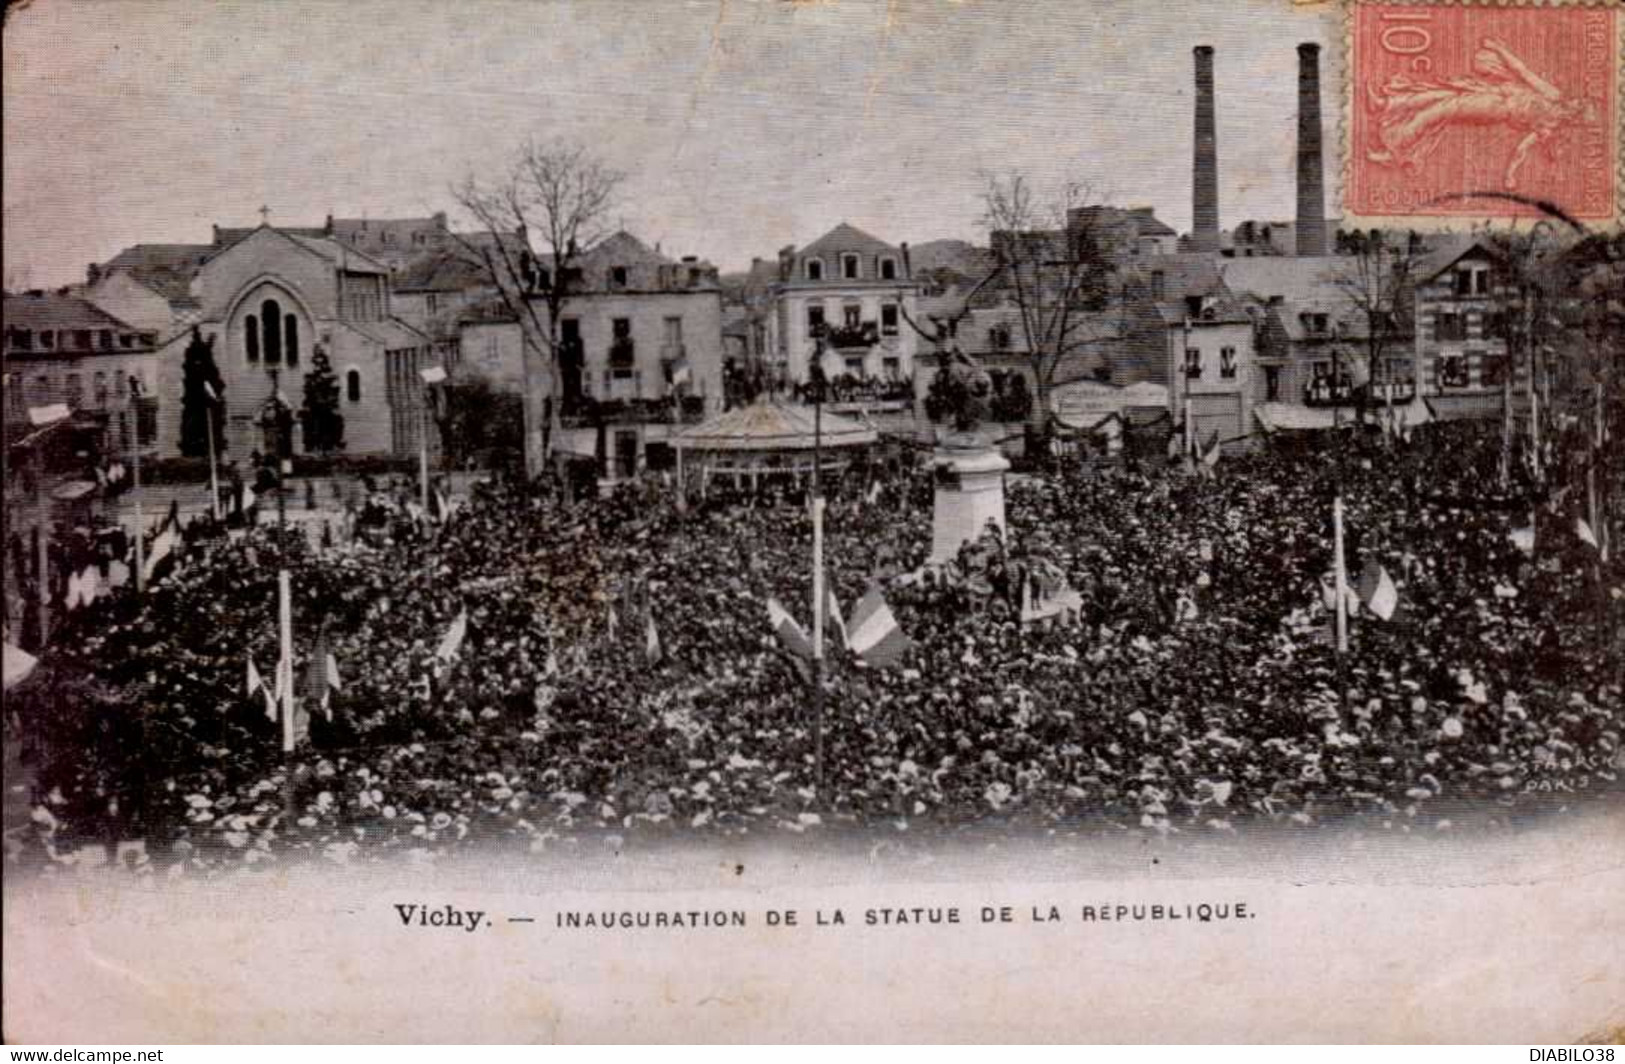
x: 1324, y: 391
x: 588, y: 412
x: 864, y: 334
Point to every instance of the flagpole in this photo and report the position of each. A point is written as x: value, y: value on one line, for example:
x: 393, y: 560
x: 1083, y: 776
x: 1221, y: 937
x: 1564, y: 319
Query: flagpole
x: 1190, y: 430
x: 135, y: 486
x: 423, y: 451
x: 285, y: 663
x: 818, y: 575
x: 1341, y: 575
x: 214, y: 466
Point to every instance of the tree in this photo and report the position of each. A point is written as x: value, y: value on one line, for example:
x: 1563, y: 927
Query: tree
x: 474, y: 417
x: 559, y: 194
x: 202, y: 398
x: 1055, y: 269
x: 319, y: 415
x: 1373, y: 274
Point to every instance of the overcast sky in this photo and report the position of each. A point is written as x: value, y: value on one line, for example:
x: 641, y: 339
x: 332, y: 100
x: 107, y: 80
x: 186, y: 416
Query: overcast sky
x: 744, y: 126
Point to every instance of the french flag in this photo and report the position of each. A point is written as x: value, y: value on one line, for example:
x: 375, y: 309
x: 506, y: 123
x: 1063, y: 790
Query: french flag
x: 873, y: 634
x: 791, y: 635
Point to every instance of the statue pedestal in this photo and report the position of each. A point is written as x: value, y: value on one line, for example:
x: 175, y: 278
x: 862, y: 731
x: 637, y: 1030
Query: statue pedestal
x: 970, y: 493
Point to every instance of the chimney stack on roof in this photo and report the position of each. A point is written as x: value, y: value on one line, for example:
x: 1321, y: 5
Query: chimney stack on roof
x: 1311, y: 227
x: 1205, y: 165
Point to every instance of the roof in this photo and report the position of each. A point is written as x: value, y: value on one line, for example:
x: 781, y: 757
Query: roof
x: 167, y: 269
x: 1448, y: 249
x: 772, y: 425
x: 225, y: 237
x: 845, y: 237
x: 53, y: 310
x: 392, y: 333
x: 348, y: 258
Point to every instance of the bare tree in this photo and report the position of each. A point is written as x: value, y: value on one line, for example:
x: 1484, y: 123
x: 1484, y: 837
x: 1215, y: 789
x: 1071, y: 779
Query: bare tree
x: 1374, y: 276
x: 1055, y: 267
x: 556, y: 198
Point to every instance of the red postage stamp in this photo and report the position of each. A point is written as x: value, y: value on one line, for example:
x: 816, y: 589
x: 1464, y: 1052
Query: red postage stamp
x: 1483, y: 111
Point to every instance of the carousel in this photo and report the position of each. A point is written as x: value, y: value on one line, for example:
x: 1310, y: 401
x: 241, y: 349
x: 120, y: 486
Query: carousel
x: 770, y: 440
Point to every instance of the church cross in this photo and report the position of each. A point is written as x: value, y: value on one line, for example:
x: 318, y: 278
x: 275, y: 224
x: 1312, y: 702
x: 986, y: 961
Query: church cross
x: 265, y: 215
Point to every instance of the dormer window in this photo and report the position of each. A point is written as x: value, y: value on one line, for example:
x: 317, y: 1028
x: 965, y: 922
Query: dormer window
x: 1473, y: 280
x: 617, y: 277
x: 1319, y: 324
x: 888, y: 269
x: 849, y: 266
x: 815, y: 269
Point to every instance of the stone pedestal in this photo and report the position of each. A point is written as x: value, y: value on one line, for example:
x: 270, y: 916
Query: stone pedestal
x: 970, y: 493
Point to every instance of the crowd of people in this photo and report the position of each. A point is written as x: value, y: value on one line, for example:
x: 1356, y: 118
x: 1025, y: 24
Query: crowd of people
x: 616, y: 672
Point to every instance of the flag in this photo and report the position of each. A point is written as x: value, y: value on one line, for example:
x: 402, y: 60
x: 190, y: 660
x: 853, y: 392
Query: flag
x: 161, y: 548
x: 118, y: 574
x: 1210, y: 454
x: 441, y: 510
x: 1176, y: 444
x: 322, y: 676
x: 255, y: 680
x: 454, y: 637
x: 248, y: 497
x: 651, y: 641
x: 73, y: 598
x: 90, y: 584
x: 873, y: 493
x: 1377, y: 590
x: 208, y: 390
x: 681, y: 372
x: 19, y: 663
x: 835, y: 617
x: 1524, y: 538
x: 1328, y: 593
x: 1583, y: 530
x: 432, y: 375
x: 791, y: 635
x: 874, y: 635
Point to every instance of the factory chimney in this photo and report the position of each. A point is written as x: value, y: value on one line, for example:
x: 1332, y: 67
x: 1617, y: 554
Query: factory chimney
x: 1205, y: 166
x: 1311, y: 227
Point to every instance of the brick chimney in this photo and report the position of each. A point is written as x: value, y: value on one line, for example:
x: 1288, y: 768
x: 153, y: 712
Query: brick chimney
x: 1311, y: 225
x: 1205, y: 165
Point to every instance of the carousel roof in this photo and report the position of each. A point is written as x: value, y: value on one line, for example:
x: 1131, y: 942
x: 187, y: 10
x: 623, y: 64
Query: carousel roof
x: 772, y: 425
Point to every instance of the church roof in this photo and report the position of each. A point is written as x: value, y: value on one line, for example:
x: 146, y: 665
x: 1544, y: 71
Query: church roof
x: 167, y: 269
x: 773, y: 425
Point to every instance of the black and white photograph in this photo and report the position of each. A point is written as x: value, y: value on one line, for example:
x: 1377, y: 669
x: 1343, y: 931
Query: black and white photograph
x: 791, y: 520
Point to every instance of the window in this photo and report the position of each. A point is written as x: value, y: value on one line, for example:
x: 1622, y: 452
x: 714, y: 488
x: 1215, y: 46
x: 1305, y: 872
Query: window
x: 1193, y: 363
x: 1159, y: 285
x: 815, y: 269
x: 126, y: 340
x: 1451, y: 326
x: 1473, y: 280
x: 617, y: 277
x: 674, y: 331
x: 271, y: 332
x: 21, y: 339
x: 16, y: 401
x: 431, y: 303
x: 1492, y: 370
x: 888, y: 269
x: 75, y: 388
x: 1227, y: 363
x: 888, y: 318
x: 1317, y: 324
x: 418, y: 239
x: 998, y: 337
x: 854, y: 365
x: 1453, y: 372
x: 352, y: 386
x: 105, y: 340
x: 387, y: 237
x: 1272, y: 384
x: 42, y: 389
x: 815, y: 320
x: 81, y: 339
x: 893, y: 368
x: 290, y: 338
x: 100, y: 392
x: 251, y: 338
x: 852, y: 316
x: 621, y: 352
x: 849, y: 266
x: 47, y: 338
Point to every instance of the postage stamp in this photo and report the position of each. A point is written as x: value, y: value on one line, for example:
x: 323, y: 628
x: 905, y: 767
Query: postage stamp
x: 1483, y: 112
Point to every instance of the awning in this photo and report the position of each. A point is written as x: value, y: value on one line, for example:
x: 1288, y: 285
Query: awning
x: 774, y: 426
x: 1295, y: 417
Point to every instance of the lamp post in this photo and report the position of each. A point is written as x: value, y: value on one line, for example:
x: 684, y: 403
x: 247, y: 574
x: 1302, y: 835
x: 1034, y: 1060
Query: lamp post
x: 430, y: 376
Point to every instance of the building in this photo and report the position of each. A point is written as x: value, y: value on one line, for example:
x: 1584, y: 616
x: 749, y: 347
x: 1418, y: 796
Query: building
x: 1125, y: 233
x: 846, y: 293
x: 1462, y: 326
x: 60, y: 348
x: 640, y: 354
x: 267, y: 301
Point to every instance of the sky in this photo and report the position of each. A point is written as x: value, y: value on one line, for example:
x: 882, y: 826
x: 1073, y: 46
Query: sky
x: 742, y: 125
